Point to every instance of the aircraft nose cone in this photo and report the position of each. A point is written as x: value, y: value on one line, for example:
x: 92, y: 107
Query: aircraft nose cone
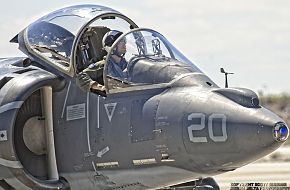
x: 280, y: 132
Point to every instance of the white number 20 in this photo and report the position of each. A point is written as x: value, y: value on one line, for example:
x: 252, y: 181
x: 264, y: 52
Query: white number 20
x: 201, y: 126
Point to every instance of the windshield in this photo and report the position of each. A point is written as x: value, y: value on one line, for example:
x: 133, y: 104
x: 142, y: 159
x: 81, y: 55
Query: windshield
x: 143, y: 57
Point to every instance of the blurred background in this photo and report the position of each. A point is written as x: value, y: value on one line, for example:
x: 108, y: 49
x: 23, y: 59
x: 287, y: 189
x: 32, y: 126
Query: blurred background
x: 250, y: 38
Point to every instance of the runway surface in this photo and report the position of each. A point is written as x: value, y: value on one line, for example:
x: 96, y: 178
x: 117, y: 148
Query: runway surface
x: 256, y: 173
x: 274, y: 168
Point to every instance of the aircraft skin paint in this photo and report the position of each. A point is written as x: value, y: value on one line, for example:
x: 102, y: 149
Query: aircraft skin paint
x: 142, y: 137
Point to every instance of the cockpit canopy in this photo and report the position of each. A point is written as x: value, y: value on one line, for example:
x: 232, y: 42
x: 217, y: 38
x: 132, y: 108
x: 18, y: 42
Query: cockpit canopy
x: 70, y: 39
x: 73, y: 34
x: 146, y: 58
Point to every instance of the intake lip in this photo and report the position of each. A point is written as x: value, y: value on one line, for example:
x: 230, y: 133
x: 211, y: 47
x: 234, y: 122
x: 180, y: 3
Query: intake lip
x: 280, y: 132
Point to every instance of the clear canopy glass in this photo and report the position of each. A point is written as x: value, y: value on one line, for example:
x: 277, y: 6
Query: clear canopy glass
x: 51, y: 37
x: 142, y: 57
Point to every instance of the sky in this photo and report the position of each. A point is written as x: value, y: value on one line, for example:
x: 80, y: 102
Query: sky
x: 250, y: 38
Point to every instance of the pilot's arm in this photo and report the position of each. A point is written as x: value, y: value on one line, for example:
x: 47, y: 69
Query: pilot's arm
x: 87, y: 79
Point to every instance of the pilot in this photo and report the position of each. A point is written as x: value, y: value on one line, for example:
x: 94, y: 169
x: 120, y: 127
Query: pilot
x: 91, y: 78
x: 117, y: 64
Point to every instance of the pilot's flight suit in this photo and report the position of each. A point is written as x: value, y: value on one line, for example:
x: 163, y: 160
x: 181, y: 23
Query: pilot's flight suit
x: 118, y: 70
x: 92, y: 74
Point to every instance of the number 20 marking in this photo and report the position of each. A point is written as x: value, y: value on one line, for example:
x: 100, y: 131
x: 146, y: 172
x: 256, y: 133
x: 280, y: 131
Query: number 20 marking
x: 201, y: 126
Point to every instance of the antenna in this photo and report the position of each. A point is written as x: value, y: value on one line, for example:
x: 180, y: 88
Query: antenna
x: 226, y: 77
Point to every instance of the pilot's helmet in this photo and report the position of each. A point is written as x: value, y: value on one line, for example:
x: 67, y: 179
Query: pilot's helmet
x: 110, y: 37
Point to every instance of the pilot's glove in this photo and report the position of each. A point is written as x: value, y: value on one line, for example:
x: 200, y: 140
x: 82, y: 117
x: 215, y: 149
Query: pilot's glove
x: 98, y: 88
x: 84, y: 81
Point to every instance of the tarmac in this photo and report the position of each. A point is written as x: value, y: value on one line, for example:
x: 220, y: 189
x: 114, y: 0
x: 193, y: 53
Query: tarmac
x: 270, y: 172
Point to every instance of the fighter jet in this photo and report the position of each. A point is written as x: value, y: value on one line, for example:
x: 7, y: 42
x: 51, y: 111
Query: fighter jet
x: 163, y: 125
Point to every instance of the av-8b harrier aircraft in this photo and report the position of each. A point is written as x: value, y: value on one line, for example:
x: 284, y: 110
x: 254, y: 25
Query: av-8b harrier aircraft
x: 165, y: 124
